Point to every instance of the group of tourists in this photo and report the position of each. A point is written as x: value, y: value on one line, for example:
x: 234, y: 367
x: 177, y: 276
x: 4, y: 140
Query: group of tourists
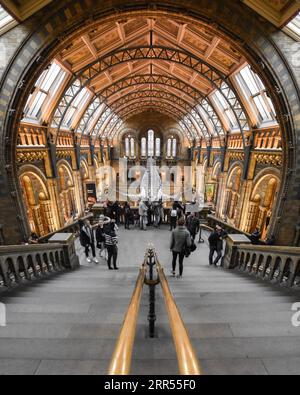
x: 104, y: 234
x: 183, y: 241
x: 184, y: 227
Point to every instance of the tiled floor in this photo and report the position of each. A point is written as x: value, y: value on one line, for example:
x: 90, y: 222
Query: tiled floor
x: 68, y: 324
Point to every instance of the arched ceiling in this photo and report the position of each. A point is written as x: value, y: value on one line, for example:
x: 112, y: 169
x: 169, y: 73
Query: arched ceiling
x: 150, y: 61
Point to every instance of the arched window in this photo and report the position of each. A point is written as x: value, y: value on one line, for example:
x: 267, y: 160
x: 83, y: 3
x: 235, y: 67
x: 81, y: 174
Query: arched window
x: 174, y: 148
x: 169, y: 148
x: 157, y: 147
x: 144, y: 147
x: 150, y: 143
x: 132, y: 147
x: 127, y: 153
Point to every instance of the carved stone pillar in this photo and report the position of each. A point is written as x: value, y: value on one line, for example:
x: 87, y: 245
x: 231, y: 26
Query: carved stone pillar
x: 57, y: 216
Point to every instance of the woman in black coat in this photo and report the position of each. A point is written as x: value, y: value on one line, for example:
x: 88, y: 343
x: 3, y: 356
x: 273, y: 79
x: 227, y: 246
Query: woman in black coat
x: 100, y: 238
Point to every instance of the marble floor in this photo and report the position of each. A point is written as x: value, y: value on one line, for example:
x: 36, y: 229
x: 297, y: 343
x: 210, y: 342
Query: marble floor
x: 69, y: 323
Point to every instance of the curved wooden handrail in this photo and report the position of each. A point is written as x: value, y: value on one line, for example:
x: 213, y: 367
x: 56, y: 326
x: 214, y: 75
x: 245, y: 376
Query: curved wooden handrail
x: 187, y: 359
x: 121, y: 360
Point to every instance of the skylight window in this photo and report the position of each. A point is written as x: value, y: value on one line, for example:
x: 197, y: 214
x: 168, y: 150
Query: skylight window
x: 294, y: 26
x: 77, y: 106
x: 255, y: 92
x: 45, y: 88
x: 225, y: 110
x: 6, y: 20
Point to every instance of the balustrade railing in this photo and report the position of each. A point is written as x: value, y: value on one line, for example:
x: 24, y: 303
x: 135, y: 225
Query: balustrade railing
x: 26, y: 262
x: 279, y: 265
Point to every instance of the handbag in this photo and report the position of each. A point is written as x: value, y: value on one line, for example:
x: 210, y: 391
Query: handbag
x: 187, y: 250
x: 193, y: 247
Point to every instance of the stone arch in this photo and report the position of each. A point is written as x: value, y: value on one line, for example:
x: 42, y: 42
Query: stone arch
x: 267, y: 267
x: 263, y: 201
x: 276, y: 270
x: 36, y: 196
x: 288, y: 272
x: 259, y: 264
x: 10, y: 270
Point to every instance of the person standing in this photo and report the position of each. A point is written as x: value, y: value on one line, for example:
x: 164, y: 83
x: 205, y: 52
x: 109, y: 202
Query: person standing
x: 193, y: 225
x: 216, y: 245
x: 149, y: 213
x: 111, y: 243
x: 143, y: 209
x: 87, y: 240
x: 255, y: 237
x: 173, y: 217
x: 117, y: 212
x: 127, y: 215
x: 157, y: 211
x: 180, y: 241
x: 100, y: 238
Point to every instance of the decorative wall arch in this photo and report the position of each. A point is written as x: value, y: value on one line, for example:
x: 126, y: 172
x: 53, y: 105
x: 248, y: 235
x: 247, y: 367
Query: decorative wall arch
x: 37, y: 200
x: 262, y: 204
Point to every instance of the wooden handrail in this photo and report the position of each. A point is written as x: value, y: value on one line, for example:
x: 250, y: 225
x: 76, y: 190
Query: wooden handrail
x: 187, y: 359
x: 121, y: 360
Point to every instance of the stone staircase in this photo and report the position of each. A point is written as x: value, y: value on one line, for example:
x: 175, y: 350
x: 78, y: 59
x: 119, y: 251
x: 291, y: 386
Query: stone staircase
x: 69, y: 323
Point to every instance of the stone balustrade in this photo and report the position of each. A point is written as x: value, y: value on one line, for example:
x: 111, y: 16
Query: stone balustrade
x: 26, y: 262
x: 279, y: 265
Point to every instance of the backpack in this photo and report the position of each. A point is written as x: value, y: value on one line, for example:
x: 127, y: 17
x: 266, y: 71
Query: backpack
x: 174, y: 213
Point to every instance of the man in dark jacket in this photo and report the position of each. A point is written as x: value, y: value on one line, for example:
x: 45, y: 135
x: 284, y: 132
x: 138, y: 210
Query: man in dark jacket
x: 193, y: 225
x: 180, y: 240
x: 87, y: 240
x: 255, y: 237
x: 117, y: 212
x: 216, y: 245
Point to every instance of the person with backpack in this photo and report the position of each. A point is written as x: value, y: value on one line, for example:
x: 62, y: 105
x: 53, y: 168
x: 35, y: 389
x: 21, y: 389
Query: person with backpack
x: 173, y: 217
x: 111, y: 244
x: 180, y: 245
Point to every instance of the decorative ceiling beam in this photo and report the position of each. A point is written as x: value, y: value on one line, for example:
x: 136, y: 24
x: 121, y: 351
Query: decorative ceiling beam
x: 215, y: 42
x: 90, y: 46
